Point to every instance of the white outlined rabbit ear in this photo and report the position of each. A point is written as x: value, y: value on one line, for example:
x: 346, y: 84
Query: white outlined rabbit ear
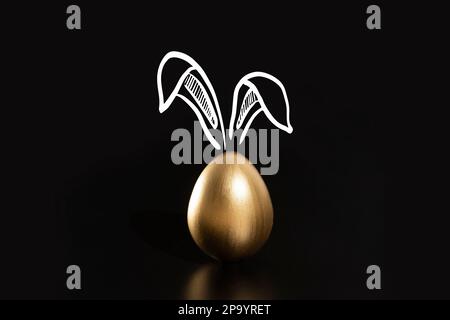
x: 253, y: 103
x: 190, y: 88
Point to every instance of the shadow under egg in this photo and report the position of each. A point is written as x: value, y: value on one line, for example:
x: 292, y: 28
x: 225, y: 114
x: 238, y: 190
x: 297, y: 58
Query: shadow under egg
x: 152, y: 227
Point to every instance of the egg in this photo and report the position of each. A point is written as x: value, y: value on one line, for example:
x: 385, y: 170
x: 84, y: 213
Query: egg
x: 230, y: 213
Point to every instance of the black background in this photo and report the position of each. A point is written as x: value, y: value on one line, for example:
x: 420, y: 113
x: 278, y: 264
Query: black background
x: 90, y: 180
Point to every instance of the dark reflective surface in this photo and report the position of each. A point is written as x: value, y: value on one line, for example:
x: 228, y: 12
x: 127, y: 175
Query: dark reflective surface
x: 229, y: 281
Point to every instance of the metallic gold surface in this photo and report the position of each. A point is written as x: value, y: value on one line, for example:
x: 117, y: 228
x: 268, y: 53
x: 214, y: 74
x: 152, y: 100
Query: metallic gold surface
x: 230, y: 213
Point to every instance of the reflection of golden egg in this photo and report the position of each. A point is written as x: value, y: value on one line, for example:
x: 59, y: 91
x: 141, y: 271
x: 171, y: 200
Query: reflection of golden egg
x: 230, y: 214
x: 235, y: 281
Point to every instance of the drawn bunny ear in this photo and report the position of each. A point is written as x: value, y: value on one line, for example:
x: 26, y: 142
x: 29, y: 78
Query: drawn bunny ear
x: 191, y: 88
x: 248, y: 108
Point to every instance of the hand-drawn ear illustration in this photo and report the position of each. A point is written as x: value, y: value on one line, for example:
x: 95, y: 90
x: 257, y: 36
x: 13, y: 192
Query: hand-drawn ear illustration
x: 191, y: 89
x: 203, y: 101
x: 248, y: 107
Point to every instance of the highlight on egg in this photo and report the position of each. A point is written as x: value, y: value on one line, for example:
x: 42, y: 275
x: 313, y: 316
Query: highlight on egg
x: 230, y: 213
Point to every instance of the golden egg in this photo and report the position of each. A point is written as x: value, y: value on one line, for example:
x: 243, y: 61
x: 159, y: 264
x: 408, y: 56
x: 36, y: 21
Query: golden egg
x: 230, y: 213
